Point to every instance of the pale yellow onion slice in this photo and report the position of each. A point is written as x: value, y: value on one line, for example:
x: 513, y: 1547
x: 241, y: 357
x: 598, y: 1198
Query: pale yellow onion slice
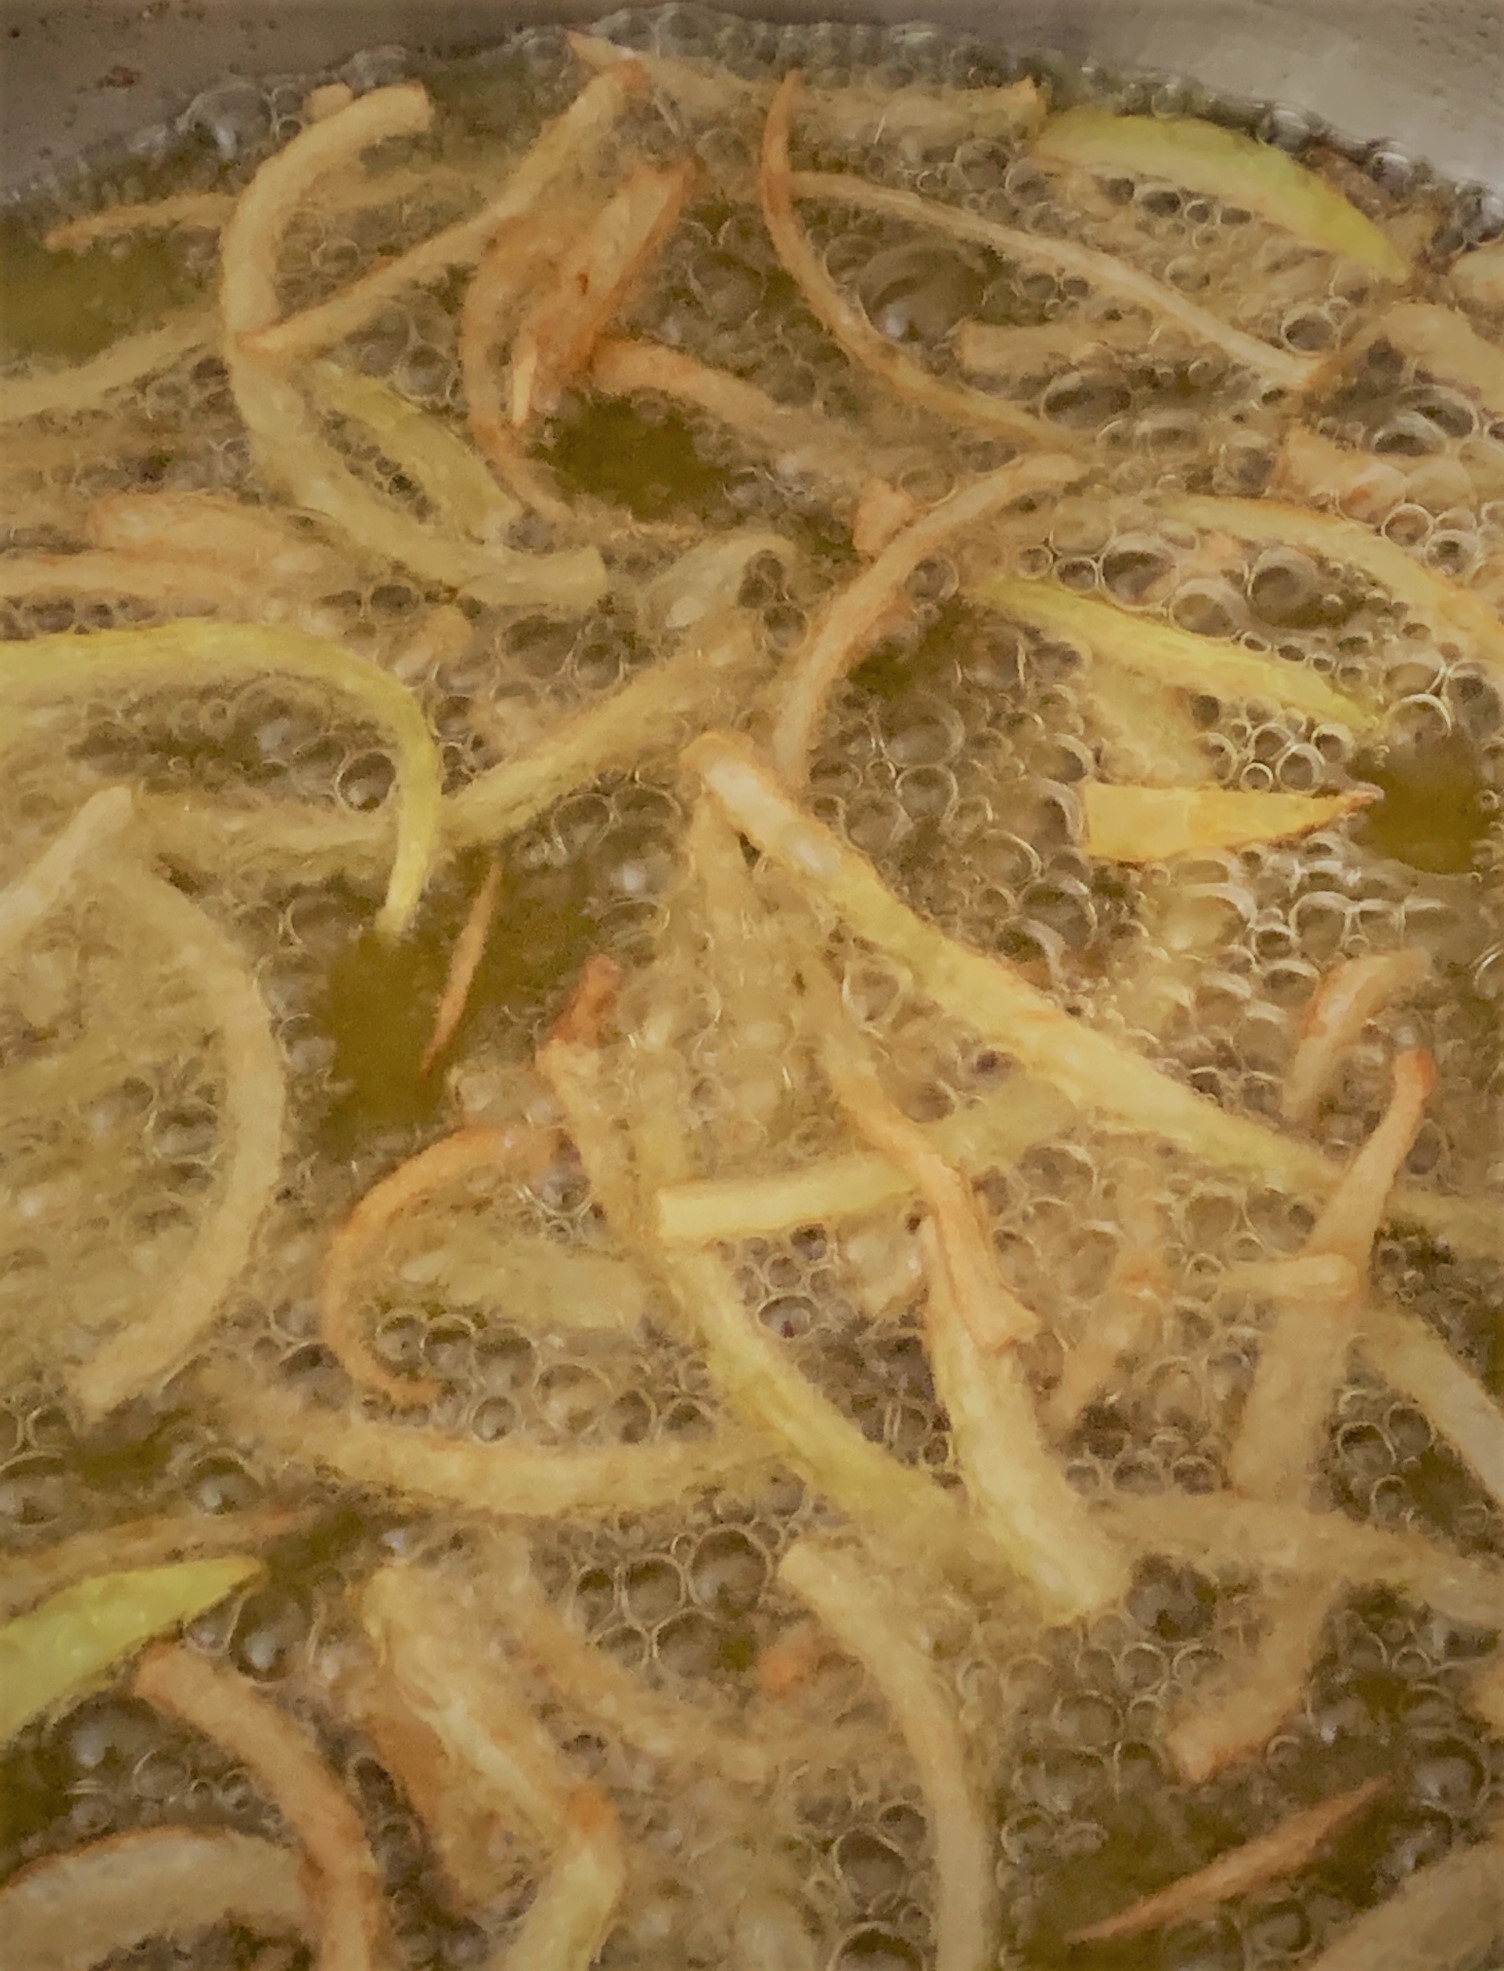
x: 1110, y: 276
x: 849, y: 1599
x: 453, y: 478
x: 124, y: 362
x: 81, y: 1634
x: 148, y: 1350
x: 1444, y: 1917
x: 263, y: 539
x: 68, y: 1911
x: 1226, y: 165
x: 193, y: 654
x: 511, y: 1479
x: 33, y: 895
x: 1448, y: 610
x: 135, y: 1544
x: 1151, y: 648
x: 1156, y: 824
x: 1242, y: 1539
x: 1097, y: 1073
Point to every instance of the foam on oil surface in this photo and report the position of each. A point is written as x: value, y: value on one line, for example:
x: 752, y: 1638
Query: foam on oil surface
x: 953, y: 757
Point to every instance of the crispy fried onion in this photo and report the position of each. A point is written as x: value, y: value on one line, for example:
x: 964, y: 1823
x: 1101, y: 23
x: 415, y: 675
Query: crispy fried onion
x: 464, y: 963
x: 287, y: 1764
x: 802, y: 443
x: 1236, y: 1710
x: 479, y: 1150
x: 1284, y: 1850
x: 593, y: 280
x: 846, y: 322
x: 1243, y: 1539
x: 565, y: 147
x: 678, y: 1735
x: 290, y: 449
x: 855, y: 613
x: 264, y: 542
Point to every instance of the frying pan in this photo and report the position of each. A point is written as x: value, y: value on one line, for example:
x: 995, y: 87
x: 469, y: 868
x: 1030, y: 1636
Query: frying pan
x: 1425, y: 75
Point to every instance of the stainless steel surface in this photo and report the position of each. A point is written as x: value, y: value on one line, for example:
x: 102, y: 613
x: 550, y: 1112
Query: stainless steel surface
x: 1427, y: 74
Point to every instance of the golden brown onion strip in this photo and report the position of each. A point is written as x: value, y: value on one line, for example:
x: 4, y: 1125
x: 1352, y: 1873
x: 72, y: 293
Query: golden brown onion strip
x: 290, y: 1769
x: 477, y: 1149
x: 1284, y: 1850
x: 848, y: 622
x: 845, y: 322
x: 594, y: 279
x: 464, y: 963
x: 563, y: 148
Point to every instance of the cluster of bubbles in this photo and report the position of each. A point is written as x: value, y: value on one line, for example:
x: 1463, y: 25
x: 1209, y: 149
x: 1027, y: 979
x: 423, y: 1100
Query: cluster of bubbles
x: 954, y: 758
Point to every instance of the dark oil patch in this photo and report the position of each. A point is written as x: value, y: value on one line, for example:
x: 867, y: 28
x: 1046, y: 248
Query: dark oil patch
x: 899, y: 665
x: 378, y: 1010
x: 644, y: 459
x: 69, y: 306
x: 380, y: 998
x: 1431, y: 816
